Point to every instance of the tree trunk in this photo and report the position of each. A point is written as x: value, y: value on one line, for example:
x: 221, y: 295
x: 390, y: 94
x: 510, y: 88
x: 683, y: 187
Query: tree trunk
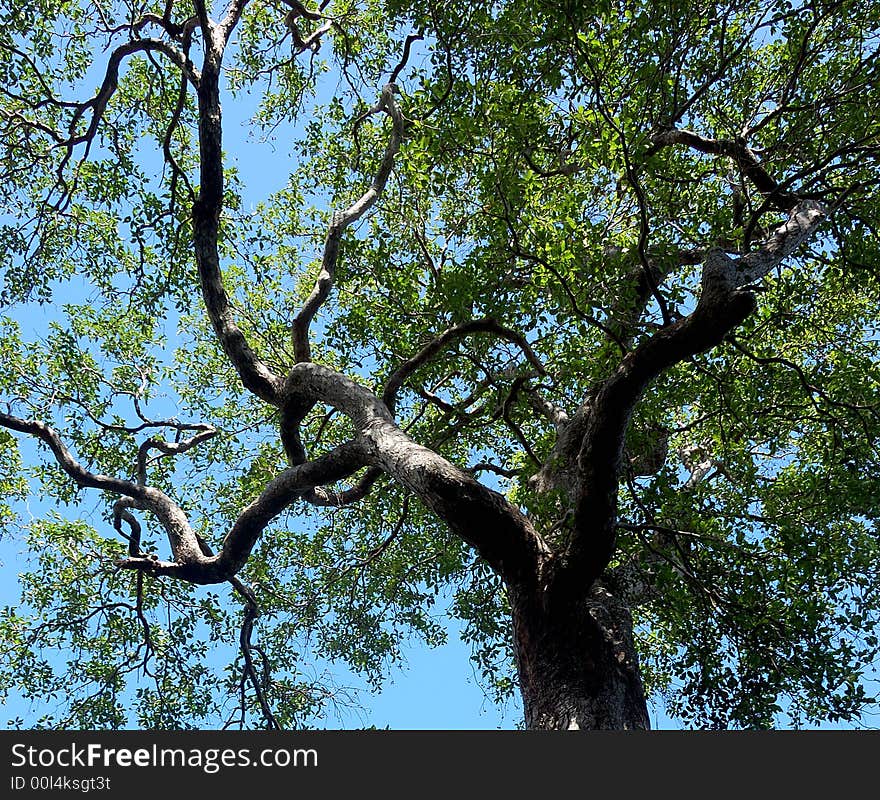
x: 578, y: 668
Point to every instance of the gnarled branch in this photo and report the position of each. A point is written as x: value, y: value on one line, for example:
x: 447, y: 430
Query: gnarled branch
x: 481, y: 517
x: 279, y: 494
x: 724, y: 304
x: 342, y: 219
x: 738, y: 150
x: 184, y: 544
x: 254, y: 373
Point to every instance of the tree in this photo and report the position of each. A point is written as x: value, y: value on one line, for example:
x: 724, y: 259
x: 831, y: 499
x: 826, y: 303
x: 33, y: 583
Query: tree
x: 567, y: 309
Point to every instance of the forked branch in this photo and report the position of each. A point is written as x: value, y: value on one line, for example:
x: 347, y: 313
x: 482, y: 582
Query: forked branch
x: 342, y: 219
x: 725, y: 302
x: 443, y: 340
x: 483, y: 518
x: 739, y: 151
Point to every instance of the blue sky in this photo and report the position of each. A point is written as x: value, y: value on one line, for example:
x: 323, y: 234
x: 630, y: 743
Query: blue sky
x: 437, y: 690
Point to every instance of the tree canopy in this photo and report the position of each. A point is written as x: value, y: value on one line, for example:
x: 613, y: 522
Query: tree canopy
x: 565, y: 300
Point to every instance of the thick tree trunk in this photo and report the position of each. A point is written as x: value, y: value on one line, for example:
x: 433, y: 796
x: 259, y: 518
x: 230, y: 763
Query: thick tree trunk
x: 577, y: 663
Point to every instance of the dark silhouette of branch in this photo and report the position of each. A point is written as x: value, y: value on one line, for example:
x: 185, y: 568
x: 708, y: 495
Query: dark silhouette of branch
x: 739, y: 151
x: 724, y: 304
x: 443, y: 340
x: 413, y: 37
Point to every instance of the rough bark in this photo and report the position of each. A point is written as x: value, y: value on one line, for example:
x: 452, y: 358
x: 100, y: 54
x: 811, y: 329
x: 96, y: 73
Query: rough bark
x: 495, y: 528
x: 577, y: 663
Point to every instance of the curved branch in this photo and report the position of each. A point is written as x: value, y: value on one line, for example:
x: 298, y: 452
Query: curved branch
x: 184, y: 543
x: 485, y: 466
x: 485, y: 325
x: 736, y: 149
x: 192, y: 561
x: 81, y: 476
x: 260, y: 687
x: 481, y: 517
x: 342, y: 219
x: 174, y: 30
x: 170, y: 448
x: 122, y: 514
x: 293, y: 413
x: 413, y: 37
x: 724, y: 304
x: 98, y: 104
x: 301, y: 11
x: 234, y: 10
x: 255, y: 375
x: 635, y: 183
x: 504, y: 412
x: 279, y: 493
x: 324, y: 497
